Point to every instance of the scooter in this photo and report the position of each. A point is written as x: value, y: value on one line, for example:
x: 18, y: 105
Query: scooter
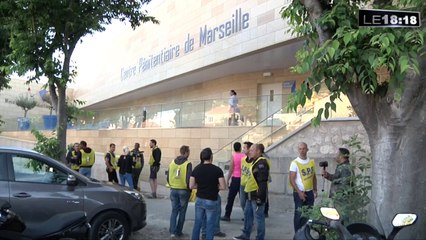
x: 356, y: 231
x: 59, y: 226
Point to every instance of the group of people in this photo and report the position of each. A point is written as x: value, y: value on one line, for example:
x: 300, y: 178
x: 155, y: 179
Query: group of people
x: 81, y: 158
x: 250, y: 177
x: 129, y: 164
x: 302, y: 178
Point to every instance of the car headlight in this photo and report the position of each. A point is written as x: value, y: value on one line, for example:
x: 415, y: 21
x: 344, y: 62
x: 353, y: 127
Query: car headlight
x: 135, y: 194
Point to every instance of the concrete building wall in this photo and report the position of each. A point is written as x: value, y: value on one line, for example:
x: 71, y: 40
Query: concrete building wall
x: 323, y: 142
x: 180, y: 24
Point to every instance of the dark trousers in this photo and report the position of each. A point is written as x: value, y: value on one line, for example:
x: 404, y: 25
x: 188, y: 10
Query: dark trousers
x: 299, y: 221
x: 112, y: 176
x: 232, y: 193
x: 136, y: 172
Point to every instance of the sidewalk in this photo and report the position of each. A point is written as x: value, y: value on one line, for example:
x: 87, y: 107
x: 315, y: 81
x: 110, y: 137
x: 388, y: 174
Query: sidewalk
x: 279, y: 225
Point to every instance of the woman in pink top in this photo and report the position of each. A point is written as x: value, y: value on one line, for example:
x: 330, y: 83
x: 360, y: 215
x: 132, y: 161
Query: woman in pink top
x: 234, y: 184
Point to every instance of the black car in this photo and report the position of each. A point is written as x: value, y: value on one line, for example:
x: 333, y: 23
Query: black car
x: 39, y: 187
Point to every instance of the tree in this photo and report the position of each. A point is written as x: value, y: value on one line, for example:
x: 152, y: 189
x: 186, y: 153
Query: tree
x: 4, y: 51
x: 382, y: 71
x: 44, y: 35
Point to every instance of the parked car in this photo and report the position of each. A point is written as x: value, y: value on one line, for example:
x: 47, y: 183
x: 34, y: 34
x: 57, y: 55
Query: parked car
x: 39, y: 187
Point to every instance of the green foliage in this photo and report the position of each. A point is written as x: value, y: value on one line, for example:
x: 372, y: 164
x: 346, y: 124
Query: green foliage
x: 44, y: 34
x: 26, y: 103
x: 352, y: 56
x: 74, y: 111
x: 47, y: 146
x: 352, y: 201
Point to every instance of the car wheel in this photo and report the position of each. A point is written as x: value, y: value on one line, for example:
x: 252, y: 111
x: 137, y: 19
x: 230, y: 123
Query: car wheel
x: 110, y: 226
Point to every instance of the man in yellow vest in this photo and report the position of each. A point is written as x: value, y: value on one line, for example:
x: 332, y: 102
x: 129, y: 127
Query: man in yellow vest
x: 154, y: 166
x: 178, y: 176
x: 138, y: 161
x: 74, y: 157
x: 257, y: 190
x: 304, y: 183
x: 111, y: 164
x: 87, y: 159
x: 246, y: 163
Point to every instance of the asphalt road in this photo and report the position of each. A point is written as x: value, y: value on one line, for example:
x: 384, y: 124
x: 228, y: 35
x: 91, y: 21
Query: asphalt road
x: 279, y: 225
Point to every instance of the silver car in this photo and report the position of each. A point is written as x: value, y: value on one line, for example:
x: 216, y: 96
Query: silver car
x: 39, y: 187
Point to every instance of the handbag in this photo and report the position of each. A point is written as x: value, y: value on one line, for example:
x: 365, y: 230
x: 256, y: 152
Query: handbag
x: 193, y: 195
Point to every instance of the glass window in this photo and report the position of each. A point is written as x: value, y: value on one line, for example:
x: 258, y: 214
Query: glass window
x: 32, y: 170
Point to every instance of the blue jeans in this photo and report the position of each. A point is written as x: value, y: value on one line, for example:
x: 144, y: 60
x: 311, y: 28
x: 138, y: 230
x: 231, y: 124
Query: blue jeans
x: 298, y: 221
x: 243, y: 197
x: 126, y: 177
x: 86, y: 171
x: 179, y: 199
x: 217, y: 220
x: 251, y: 212
x: 204, y: 208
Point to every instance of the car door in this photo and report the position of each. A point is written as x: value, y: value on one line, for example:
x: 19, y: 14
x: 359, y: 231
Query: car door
x: 4, y: 182
x: 39, y: 190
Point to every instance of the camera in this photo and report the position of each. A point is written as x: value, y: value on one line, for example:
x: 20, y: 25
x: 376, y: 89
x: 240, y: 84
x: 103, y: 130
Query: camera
x: 323, y: 164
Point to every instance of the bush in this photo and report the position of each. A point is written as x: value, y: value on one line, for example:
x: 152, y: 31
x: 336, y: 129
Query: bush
x: 47, y: 146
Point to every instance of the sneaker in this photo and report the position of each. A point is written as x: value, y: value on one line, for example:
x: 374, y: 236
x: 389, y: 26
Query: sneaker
x: 172, y: 236
x: 225, y: 218
x: 220, y: 234
x: 241, y: 237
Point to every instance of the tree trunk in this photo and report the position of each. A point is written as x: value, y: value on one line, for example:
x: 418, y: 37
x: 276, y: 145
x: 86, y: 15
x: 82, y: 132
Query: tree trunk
x: 397, y: 136
x: 62, y: 120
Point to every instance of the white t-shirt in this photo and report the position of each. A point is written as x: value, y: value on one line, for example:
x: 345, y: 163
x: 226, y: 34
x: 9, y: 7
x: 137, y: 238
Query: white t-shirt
x: 294, y: 168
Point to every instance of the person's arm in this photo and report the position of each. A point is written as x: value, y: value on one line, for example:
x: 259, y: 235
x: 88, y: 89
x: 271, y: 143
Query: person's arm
x: 167, y: 176
x: 222, y: 184
x: 230, y: 171
x: 292, y: 178
x: 192, y: 183
x: 188, y: 173
x: 107, y: 162
x: 261, y: 175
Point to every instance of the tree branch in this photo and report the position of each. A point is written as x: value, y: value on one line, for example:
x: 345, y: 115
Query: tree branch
x: 315, y: 11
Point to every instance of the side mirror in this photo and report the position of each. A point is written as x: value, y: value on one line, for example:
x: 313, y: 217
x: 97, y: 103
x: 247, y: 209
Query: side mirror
x: 404, y: 219
x: 330, y: 213
x: 71, y: 180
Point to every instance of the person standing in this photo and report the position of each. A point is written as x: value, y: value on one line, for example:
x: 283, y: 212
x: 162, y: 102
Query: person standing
x: 74, y: 157
x: 87, y: 159
x: 208, y: 179
x: 304, y: 183
x: 233, y: 108
x: 341, y: 177
x: 234, y: 184
x: 154, y: 166
x: 125, y: 163
x: 111, y: 164
x: 138, y: 161
x: 246, y: 163
x: 256, y: 190
x: 178, y: 176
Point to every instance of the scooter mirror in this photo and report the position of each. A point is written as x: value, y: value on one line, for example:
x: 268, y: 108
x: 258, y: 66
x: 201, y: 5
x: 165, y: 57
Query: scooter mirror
x: 404, y: 219
x: 330, y: 213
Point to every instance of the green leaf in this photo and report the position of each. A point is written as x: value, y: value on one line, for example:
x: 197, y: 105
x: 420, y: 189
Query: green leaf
x: 403, y: 63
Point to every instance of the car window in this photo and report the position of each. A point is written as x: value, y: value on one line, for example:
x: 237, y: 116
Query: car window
x: 27, y: 169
